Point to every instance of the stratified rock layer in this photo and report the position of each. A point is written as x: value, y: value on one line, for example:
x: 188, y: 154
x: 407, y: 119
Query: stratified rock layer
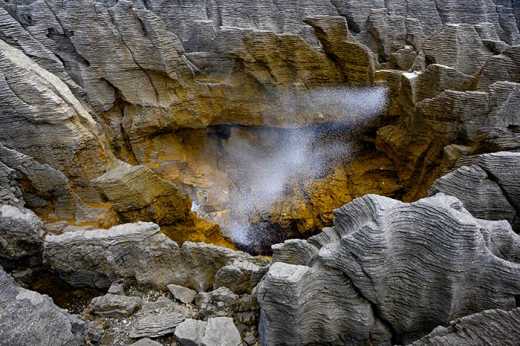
x: 488, y: 185
x: 71, y: 106
x: 140, y: 252
x: 491, y: 327
x: 391, y: 271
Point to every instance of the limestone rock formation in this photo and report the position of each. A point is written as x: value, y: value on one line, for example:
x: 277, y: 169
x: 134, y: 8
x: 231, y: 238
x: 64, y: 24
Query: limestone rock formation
x: 71, y: 102
x: 367, y: 283
x: 140, y: 252
x: 29, y: 318
x: 485, y: 328
x: 47, y: 121
x: 138, y: 194
x: 135, y: 251
x: 489, y: 186
x: 143, y: 111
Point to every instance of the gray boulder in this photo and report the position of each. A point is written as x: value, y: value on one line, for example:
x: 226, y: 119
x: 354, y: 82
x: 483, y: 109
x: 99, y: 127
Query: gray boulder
x: 219, y: 302
x: 190, y: 332
x: 205, y: 266
x: 21, y: 237
x: 28, y: 318
x: 96, y: 258
x: 481, y: 195
x: 182, y: 294
x: 488, y: 185
x: 240, y: 276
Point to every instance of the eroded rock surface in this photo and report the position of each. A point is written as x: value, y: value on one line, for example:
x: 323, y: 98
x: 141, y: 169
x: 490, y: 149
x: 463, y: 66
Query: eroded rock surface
x: 139, y: 252
x: 216, y: 331
x: 488, y: 185
x: 486, y: 328
x: 70, y: 99
x: 112, y: 305
x: 367, y: 283
x: 29, y: 318
x: 21, y: 237
x: 117, y: 111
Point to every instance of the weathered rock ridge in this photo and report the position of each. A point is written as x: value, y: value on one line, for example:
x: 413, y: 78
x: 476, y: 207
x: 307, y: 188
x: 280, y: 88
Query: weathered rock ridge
x: 142, y: 254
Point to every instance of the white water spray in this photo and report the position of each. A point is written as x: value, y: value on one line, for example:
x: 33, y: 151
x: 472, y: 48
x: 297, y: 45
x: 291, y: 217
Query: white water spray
x: 267, y: 165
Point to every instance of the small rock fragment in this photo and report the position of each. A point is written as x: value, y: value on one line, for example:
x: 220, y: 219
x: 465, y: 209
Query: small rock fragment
x: 157, y: 325
x: 113, y: 305
x: 146, y: 342
x: 117, y: 287
x: 182, y: 293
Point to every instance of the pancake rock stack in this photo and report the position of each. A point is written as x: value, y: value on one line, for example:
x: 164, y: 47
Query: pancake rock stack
x: 371, y: 147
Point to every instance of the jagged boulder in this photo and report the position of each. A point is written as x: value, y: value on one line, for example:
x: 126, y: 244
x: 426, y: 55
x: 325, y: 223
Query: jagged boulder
x: 155, y: 325
x: 21, y: 237
x: 182, y: 294
x: 140, y: 252
x: 367, y: 283
x: 28, y: 318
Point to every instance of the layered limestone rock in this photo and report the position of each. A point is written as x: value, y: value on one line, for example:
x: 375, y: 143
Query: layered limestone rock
x: 366, y: 283
x: 140, y: 253
x: 488, y: 185
x: 71, y: 71
x: 29, y: 318
x: 440, y: 107
x: 485, y: 328
x: 46, y: 121
x: 123, y: 111
x: 216, y: 331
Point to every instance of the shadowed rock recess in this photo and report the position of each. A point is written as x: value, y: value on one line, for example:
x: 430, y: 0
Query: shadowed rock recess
x: 259, y: 172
